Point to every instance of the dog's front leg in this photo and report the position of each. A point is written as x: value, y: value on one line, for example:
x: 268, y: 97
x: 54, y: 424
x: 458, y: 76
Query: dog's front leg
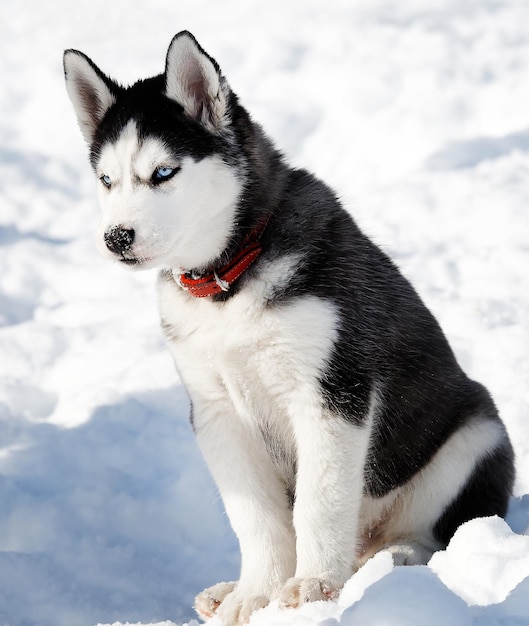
x: 257, y: 504
x: 329, y: 486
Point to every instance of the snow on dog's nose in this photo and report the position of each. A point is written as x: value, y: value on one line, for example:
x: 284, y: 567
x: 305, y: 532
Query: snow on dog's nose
x: 118, y: 239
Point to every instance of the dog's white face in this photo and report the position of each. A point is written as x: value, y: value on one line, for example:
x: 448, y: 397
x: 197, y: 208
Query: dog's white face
x: 178, y: 213
x: 168, y: 199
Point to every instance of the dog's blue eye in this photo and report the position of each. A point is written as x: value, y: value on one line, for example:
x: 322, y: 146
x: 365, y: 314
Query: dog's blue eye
x: 105, y: 180
x: 162, y: 174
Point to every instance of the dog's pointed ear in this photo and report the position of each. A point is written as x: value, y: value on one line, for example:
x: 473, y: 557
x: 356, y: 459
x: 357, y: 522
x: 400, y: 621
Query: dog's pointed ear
x: 91, y: 92
x: 194, y: 80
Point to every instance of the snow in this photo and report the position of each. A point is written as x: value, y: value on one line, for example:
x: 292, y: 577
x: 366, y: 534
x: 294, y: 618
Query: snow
x: 416, y: 113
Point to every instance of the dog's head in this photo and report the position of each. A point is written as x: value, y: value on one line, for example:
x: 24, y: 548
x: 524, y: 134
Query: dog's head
x: 169, y: 177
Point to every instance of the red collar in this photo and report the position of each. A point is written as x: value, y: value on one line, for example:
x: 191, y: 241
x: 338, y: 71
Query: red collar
x: 221, y: 279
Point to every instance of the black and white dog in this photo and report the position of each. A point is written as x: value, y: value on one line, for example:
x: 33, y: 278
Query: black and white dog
x: 325, y: 398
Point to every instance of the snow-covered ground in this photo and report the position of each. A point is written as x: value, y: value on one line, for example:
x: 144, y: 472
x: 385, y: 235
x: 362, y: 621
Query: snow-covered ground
x: 418, y: 114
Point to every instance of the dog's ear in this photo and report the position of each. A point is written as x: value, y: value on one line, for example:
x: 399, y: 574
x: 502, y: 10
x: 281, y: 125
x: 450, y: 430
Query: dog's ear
x: 91, y: 92
x: 193, y: 79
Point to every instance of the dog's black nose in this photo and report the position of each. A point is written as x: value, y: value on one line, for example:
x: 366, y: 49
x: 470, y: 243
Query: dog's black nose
x: 119, y: 239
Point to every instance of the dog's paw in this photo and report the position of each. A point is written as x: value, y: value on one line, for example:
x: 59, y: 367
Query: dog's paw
x: 412, y: 553
x: 298, y: 591
x: 236, y: 610
x: 208, y: 601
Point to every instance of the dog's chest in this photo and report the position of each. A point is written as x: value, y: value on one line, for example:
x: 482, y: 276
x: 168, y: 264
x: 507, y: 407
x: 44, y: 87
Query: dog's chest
x: 265, y: 362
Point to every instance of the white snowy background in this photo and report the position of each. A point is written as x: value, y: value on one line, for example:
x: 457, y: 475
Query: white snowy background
x: 417, y: 113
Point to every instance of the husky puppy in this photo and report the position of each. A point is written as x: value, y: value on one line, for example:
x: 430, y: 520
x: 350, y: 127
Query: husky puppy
x: 325, y: 398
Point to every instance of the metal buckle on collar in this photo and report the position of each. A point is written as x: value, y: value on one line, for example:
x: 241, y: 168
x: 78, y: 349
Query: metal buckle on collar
x: 224, y: 285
